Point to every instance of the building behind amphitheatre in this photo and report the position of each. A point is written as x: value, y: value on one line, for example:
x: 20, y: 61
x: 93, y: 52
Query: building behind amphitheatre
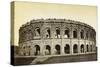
x: 56, y: 37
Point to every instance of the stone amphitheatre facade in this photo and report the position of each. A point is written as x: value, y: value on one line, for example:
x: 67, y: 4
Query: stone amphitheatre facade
x: 50, y: 37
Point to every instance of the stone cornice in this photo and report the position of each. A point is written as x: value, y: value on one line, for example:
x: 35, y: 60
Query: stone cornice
x: 54, y: 20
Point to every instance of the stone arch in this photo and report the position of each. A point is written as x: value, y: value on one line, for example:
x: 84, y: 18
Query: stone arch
x: 47, y: 50
x: 75, y: 33
x: 37, y: 50
x: 37, y: 31
x: 75, y: 48
x: 24, y: 54
x: 29, y: 50
x: 24, y: 47
x: 57, y: 47
x: 87, y: 35
x: 82, y: 34
x: 26, y: 35
x: 57, y: 32
x: 82, y: 48
x: 24, y: 50
x: 90, y: 48
x: 32, y: 49
x: 87, y: 47
x: 91, y: 34
x: 67, y: 49
x: 66, y: 33
x: 47, y: 32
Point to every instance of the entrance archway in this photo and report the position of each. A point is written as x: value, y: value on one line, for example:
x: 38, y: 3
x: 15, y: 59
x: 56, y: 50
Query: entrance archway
x: 75, y: 48
x: 37, y: 50
x: 87, y: 47
x: 58, y: 32
x: 82, y: 48
x: 82, y: 34
x: 37, y: 31
x: 67, y: 49
x: 90, y: 48
x: 57, y: 47
x: 66, y: 33
x: 75, y: 34
x: 48, y: 50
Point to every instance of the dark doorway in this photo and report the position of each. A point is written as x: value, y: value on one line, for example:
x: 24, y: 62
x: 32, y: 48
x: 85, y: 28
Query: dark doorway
x: 67, y: 33
x: 58, y: 32
x: 48, y: 50
x: 75, y: 34
x: 37, y: 52
x: 75, y: 48
x: 57, y: 47
x: 82, y: 48
x: 87, y: 47
x: 82, y: 34
x: 67, y: 49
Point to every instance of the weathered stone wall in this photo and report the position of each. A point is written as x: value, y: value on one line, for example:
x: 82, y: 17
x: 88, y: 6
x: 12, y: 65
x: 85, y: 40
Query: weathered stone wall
x: 40, y: 37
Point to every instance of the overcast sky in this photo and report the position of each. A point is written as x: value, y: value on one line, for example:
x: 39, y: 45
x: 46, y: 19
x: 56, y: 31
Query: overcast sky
x: 26, y: 11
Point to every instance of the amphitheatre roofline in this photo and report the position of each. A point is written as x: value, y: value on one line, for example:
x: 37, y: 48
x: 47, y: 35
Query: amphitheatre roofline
x: 49, y: 20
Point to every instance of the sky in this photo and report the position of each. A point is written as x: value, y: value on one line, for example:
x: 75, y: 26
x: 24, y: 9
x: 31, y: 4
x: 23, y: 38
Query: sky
x: 26, y: 11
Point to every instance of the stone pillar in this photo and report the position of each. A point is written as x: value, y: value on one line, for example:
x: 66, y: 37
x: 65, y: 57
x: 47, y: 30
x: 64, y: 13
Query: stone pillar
x: 71, y: 48
x: 52, y: 36
x: 94, y: 48
x: 79, y: 49
x: 52, y: 50
x: 71, y: 37
x: 41, y: 50
x: 85, y: 48
x: 79, y: 38
x: 62, y: 50
x: 32, y: 50
x: 89, y: 48
x: 62, y: 37
x: 85, y: 37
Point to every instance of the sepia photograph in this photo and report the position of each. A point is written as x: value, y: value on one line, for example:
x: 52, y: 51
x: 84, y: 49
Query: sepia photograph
x: 47, y: 33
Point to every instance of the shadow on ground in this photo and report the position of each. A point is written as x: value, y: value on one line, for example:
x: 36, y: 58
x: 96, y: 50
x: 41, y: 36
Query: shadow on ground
x: 56, y: 59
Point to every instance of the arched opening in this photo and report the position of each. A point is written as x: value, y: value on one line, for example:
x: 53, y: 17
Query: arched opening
x: 75, y: 48
x: 94, y: 35
x: 90, y: 48
x: 57, y: 47
x: 48, y: 50
x: 47, y: 33
x: 26, y: 35
x: 37, y: 50
x: 67, y: 49
x: 86, y: 35
x: 82, y: 34
x: 91, y: 36
x: 29, y: 50
x: 87, y: 47
x: 24, y: 47
x: 75, y: 34
x: 24, y: 54
x: 66, y: 33
x: 57, y: 32
x: 37, y: 31
x: 82, y: 48
x: 24, y: 51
